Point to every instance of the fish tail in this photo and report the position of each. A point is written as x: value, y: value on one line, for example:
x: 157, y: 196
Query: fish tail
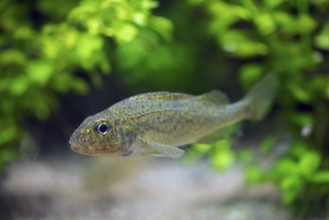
x: 261, y: 96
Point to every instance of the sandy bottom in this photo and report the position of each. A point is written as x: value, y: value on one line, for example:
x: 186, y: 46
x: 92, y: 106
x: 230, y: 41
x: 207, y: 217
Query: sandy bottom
x: 132, y: 188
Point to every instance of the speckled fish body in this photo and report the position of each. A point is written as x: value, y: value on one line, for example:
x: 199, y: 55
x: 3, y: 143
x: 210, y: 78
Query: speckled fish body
x: 157, y: 123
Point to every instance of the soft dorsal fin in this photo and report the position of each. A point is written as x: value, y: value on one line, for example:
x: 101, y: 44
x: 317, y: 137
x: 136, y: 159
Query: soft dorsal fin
x: 214, y: 96
x: 162, y: 96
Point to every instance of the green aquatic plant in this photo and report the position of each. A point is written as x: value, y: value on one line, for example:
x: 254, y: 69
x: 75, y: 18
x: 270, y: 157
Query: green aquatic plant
x: 292, y: 39
x: 52, y: 48
x: 45, y: 44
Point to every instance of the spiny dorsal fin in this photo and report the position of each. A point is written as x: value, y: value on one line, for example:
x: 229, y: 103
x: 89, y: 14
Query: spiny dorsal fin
x: 162, y: 96
x: 214, y: 96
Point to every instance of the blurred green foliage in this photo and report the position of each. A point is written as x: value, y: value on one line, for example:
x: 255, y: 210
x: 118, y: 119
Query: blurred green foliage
x: 45, y: 43
x: 188, y: 46
x: 290, y: 38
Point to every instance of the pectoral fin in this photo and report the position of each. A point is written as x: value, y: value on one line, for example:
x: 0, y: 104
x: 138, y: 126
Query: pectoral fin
x: 147, y: 148
x: 159, y: 150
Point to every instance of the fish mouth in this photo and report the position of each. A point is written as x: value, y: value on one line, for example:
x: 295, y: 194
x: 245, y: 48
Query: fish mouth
x: 71, y: 142
x: 75, y: 147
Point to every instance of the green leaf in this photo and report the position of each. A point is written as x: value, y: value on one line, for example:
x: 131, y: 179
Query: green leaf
x: 19, y: 85
x: 249, y: 74
x: 202, y: 148
x: 286, y: 22
x: 320, y: 177
x: 130, y: 54
x: 272, y: 3
x: 309, y: 163
x: 163, y: 26
x: 265, y: 23
x: 237, y: 43
x: 299, y: 92
x: 86, y: 48
x: 302, y: 119
x: 9, y: 133
x: 286, y: 167
x: 298, y: 148
x: 40, y: 72
x: 254, y: 174
x: 125, y: 32
x: 320, y: 84
x: 322, y: 39
x: 24, y: 33
x: 306, y: 24
x: 64, y: 82
x: 291, y: 183
x: 196, y: 2
x: 12, y: 56
x: 222, y: 157
x: 225, y: 14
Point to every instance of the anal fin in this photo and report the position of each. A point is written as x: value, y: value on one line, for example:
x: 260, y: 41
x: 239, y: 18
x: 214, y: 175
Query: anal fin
x: 223, y: 133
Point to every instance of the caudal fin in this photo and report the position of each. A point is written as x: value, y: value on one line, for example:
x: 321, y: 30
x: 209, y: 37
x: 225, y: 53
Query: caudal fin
x: 261, y: 96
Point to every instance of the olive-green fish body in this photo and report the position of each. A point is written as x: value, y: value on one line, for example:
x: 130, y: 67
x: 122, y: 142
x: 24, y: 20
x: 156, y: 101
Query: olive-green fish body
x: 157, y: 123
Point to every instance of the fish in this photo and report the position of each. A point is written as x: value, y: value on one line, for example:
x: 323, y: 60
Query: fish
x: 159, y: 123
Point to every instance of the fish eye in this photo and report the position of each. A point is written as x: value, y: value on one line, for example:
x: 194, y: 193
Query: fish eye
x: 102, y: 128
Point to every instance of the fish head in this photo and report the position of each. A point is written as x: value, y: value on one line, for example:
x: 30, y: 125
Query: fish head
x: 99, y: 135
